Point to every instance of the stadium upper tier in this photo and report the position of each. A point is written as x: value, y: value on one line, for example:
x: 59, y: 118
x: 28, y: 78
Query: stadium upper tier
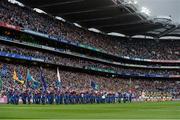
x: 105, y: 15
x: 121, y: 16
x: 144, y: 49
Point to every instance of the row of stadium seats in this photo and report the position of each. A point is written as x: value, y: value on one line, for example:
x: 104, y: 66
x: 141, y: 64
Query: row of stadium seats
x: 145, y: 49
x: 77, y: 62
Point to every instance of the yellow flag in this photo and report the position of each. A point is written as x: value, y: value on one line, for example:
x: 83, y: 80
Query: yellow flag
x: 15, y: 77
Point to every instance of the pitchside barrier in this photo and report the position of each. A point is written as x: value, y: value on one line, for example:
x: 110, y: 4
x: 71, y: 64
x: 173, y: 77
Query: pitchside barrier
x: 3, y: 100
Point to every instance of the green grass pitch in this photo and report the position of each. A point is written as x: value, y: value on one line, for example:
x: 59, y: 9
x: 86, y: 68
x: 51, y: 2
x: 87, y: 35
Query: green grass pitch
x: 159, y: 110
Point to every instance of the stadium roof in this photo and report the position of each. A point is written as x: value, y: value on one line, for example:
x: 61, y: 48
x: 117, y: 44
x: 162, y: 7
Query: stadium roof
x: 105, y: 15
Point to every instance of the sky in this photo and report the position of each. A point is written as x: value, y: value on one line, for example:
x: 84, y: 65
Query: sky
x: 163, y: 8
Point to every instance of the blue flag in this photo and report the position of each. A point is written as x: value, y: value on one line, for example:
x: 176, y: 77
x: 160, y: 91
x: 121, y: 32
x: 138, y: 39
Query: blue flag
x: 28, y: 77
x: 20, y: 77
x: 4, y: 70
x: 43, y: 80
x: 94, y: 85
x: 35, y: 85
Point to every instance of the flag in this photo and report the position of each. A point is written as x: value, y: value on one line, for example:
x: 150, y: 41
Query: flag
x: 29, y: 78
x: 130, y: 85
x: 20, y: 77
x: 35, y: 85
x: 43, y: 80
x: 15, y: 77
x: 94, y: 85
x: 4, y: 70
x: 58, y: 82
x: 1, y: 83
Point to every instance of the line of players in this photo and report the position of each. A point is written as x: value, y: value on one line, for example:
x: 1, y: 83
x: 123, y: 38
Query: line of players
x: 39, y: 97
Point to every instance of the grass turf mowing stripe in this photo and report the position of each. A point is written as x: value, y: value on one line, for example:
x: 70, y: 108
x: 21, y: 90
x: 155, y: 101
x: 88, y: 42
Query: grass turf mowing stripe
x: 163, y: 110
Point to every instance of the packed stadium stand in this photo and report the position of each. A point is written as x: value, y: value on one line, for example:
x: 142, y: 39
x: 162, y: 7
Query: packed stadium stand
x: 41, y: 55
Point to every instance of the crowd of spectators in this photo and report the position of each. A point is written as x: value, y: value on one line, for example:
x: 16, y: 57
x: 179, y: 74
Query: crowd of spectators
x: 72, y: 81
x: 78, y: 62
x: 145, y: 49
x: 81, y: 82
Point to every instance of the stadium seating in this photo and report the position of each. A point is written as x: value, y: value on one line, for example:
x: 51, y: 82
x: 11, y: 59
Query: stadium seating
x: 51, y: 71
x: 77, y: 62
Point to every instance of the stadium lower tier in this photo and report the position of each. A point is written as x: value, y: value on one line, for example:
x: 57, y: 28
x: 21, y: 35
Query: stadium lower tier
x: 49, y: 84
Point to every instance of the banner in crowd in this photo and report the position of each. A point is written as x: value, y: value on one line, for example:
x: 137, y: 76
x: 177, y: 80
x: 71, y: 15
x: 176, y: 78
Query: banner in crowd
x: 5, y: 38
x: 53, y: 37
x: 166, y: 61
x: 14, y: 56
x: 36, y: 33
x: 174, y: 76
x: 149, y: 60
x: 6, y: 25
x: 4, y: 54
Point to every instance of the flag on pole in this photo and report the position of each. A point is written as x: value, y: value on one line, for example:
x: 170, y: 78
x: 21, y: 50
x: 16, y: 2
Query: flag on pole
x: 1, y: 83
x: 58, y: 82
x: 43, y: 80
x: 130, y: 85
x: 15, y: 77
x: 20, y: 77
x: 94, y: 85
x: 4, y: 70
x: 29, y: 78
x: 35, y: 85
